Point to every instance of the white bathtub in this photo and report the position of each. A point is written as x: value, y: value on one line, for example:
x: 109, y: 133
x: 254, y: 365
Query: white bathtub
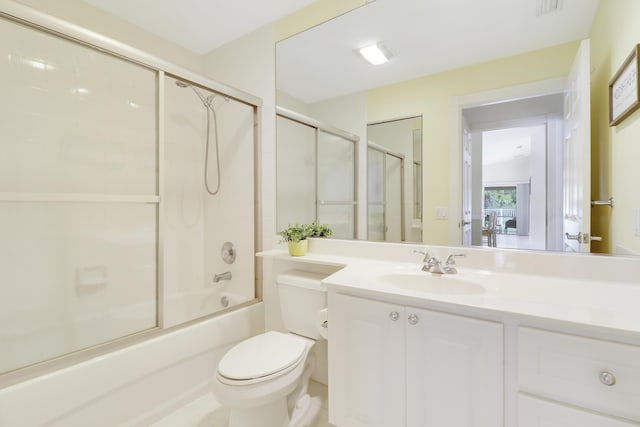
x: 186, y: 306
x: 134, y: 386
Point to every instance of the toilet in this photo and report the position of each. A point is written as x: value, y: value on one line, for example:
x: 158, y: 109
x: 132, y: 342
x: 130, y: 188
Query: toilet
x: 264, y: 379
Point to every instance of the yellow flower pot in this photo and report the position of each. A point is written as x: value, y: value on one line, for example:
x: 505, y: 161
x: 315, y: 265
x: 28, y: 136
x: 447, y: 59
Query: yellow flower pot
x: 298, y: 248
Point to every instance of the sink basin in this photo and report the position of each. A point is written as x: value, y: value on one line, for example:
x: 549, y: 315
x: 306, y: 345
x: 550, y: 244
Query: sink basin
x: 431, y: 283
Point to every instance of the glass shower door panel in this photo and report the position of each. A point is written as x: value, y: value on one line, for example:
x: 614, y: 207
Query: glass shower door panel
x: 339, y: 218
x: 393, y: 199
x: 336, y: 168
x: 295, y: 173
x: 73, y: 275
x: 375, y: 195
x: 336, y: 184
x: 75, y: 120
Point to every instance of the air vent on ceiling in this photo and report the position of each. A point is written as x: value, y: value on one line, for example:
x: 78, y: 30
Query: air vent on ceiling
x: 545, y: 7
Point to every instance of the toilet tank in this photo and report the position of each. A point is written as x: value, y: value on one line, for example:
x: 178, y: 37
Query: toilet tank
x: 302, y: 296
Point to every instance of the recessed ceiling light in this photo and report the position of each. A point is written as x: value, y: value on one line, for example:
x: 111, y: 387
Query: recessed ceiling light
x: 375, y: 54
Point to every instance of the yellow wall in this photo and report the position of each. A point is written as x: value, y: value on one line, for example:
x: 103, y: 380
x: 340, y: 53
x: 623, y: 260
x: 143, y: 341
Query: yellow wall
x: 615, y: 150
x: 312, y: 15
x: 431, y: 97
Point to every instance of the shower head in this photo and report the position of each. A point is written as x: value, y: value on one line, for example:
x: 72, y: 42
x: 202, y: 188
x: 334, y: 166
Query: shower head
x: 182, y: 84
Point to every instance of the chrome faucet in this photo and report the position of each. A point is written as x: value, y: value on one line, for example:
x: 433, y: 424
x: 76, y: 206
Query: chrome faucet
x: 222, y: 276
x: 433, y: 265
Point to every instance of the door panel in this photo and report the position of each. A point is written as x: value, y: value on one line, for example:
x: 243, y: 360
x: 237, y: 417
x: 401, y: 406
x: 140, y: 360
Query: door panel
x: 577, y: 154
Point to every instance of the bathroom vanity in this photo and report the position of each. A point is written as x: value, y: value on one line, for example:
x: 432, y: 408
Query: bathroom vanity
x: 513, y: 339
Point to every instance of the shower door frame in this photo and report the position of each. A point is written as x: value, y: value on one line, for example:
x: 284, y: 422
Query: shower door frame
x: 40, y: 21
x: 332, y: 130
x: 386, y: 152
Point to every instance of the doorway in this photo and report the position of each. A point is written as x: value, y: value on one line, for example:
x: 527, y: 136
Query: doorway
x: 516, y: 173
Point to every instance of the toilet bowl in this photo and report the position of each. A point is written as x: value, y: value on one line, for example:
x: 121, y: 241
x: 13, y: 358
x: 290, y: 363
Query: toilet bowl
x: 264, y: 379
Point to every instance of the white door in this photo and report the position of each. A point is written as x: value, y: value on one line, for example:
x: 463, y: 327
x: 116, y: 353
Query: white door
x: 454, y: 371
x: 366, y: 363
x: 467, y: 187
x: 577, y: 154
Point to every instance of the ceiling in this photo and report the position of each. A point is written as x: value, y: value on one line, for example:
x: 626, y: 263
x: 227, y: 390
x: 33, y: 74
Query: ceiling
x: 200, y: 25
x: 425, y: 37
x: 504, y: 145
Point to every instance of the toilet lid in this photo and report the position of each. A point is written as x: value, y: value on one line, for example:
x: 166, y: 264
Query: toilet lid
x: 262, y: 355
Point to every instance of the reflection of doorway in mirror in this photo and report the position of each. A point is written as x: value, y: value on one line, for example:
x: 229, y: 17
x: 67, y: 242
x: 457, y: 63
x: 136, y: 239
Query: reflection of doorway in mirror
x: 514, y: 185
x: 518, y: 144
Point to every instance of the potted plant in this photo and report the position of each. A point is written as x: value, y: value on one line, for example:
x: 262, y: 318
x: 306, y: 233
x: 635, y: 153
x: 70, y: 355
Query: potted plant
x: 296, y: 236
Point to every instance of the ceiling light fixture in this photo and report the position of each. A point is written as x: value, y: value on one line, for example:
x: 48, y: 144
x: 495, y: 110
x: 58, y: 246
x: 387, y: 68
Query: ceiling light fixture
x: 375, y: 54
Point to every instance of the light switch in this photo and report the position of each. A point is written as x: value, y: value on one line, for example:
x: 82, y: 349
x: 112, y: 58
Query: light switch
x: 442, y: 213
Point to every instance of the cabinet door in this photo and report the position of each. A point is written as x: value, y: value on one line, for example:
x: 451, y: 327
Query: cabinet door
x: 366, y: 363
x: 454, y: 371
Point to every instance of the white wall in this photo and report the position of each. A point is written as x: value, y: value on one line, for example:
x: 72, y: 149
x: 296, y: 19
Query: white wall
x: 511, y: 171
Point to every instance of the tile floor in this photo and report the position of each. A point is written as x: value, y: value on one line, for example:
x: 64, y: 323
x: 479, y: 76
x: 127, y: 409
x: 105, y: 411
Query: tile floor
x: 207, y: 412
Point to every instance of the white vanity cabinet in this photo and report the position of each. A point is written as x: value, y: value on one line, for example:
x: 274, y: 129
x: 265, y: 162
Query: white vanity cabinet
x: 571, y: 380
x: 393, y: 365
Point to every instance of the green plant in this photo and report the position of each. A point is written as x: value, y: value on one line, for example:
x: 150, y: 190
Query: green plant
x: 319, y: 230
x: 298, y: 232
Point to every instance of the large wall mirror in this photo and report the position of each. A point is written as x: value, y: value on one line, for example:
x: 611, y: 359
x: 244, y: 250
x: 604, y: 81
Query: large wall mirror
x: 495, y: 88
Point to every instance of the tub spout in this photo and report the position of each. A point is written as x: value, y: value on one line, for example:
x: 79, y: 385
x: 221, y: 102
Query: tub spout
x: 222, y: 276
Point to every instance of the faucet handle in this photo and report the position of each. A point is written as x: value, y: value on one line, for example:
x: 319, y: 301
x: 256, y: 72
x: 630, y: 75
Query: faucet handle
x: 451, y: 259
x: 425, y: 253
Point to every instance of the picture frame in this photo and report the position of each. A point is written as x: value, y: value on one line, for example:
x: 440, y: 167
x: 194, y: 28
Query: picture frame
x: 624, y: 90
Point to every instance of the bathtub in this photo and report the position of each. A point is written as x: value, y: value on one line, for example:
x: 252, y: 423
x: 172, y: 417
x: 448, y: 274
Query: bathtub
x: 136, y: 385
x: 183, y: 307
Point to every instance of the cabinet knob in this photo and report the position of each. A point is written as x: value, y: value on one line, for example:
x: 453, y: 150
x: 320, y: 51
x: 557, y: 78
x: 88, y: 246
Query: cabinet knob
x: 413, y: 319
x: 607, y: 378
x: 394, y: 315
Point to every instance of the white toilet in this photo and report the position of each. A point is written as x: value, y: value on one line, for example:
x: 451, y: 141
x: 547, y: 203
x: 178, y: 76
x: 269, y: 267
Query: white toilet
x: 264, y: 379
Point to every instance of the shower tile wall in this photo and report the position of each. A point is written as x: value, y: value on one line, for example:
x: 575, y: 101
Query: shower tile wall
x: 77, y: 189
x: 197, y: 224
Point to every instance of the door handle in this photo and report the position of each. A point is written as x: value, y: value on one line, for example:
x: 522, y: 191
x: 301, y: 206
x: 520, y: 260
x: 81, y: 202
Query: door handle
x: 466, y: 222
x: 583, y: 237
x: 577, y: 237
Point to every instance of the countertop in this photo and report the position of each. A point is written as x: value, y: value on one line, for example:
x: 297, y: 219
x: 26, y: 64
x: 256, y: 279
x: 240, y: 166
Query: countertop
x: 591, y: 303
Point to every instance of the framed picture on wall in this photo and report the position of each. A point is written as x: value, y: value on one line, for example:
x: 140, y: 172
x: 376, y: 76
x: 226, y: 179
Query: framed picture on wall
x: 624, y: 91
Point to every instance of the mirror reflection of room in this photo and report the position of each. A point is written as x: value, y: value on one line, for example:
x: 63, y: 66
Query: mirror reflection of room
x: 394, y: 180
x: 316, y: 174
x: 516, y: 178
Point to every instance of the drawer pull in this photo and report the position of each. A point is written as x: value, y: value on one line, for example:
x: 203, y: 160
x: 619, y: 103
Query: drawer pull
x: 394, y: 315
x: 607, y: 378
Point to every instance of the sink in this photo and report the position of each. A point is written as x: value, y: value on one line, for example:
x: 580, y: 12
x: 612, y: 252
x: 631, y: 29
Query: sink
x: 431, y: 283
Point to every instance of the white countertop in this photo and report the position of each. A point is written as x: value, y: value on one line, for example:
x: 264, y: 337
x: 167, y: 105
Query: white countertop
x: 613, y: 305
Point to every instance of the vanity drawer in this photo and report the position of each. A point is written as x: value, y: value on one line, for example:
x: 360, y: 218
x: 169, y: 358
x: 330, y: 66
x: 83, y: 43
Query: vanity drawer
x: 574, y: 370
x: 534, y: 412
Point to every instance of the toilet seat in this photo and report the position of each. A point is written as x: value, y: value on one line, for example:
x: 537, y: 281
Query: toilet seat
x: 262, y: 358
